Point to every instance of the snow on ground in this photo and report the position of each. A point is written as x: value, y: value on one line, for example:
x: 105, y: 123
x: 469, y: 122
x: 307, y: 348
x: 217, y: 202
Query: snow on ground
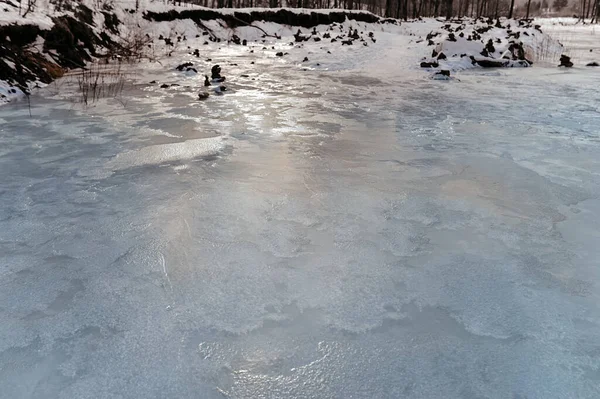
x: 580, y: 40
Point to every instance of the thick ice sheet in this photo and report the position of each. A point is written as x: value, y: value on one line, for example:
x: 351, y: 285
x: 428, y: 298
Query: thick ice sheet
x: 336, y: 235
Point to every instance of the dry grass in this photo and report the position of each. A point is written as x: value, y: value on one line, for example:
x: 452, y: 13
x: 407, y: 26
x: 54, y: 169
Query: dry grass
x: 100, y: 81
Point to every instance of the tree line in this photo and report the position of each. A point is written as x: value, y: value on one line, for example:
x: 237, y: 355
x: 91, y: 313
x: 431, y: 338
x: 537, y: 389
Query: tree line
x: 412, y: 9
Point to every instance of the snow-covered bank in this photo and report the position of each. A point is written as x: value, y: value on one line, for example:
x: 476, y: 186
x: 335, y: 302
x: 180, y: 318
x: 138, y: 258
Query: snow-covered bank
x: 58, y: 40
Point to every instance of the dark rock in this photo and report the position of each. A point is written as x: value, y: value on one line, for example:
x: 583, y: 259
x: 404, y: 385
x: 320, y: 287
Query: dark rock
x: 164, y: 86
x: 244, y: 42
x: 451, y: 37
x: 184, y: 66
x: 347, y: 42
x: 326, y: 35
x: 203, y: 95
x: 441, y: 56
x: 592, y: 64
x: 565, y: 61
x: 215, y: 72
x: 487, y: 63
x: 432, y: 64
x: 430, y: 43
x: 206, y: 81
x: 153, y: 82
x: 235, y: 39
x: 279, y: 54
x: 317, y: 39
x: 191, y: 70
x: 196, y: 53
x: 305, y: 59
x: 489, y: 47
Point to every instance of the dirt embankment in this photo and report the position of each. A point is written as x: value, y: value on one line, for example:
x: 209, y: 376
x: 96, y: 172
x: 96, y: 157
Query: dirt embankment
x: 32, y: 54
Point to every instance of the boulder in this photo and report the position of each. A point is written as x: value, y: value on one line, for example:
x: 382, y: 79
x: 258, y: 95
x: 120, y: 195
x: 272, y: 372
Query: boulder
x: 215, y: 72
x: 565, y: 61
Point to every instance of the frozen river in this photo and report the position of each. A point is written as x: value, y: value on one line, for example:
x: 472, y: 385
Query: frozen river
x: 309, y: 235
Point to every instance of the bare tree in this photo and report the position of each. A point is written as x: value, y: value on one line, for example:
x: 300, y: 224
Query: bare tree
x: 30, y: 7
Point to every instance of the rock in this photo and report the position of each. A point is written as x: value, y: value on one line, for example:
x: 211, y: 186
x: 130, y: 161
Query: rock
x: 565, y: 61
x: 215, y: 72
x: 244, y: 42
x: 206, y: 81
x: 430, y: 43
x: 444, y: 74
x: 451, y: 37
x: 279, y: 54
x: 347, y: 42
x: 153, y: 82
x: 489, y: 47
x: 432, y: 64
x: 517, y: 51
x: 326, y: 35
x: 299, y: 37
x: 196, y: 53
x: 592, y: 64
x: 488, y: 63
x: 203, y: 95
x: 317, y: 39
x: 441, y: 56
x: 191, y: 70
x: 235, y: 39
x: 305, y: 59
x: 244, y: 76
x: 183, y: 66
x: 164, y: 86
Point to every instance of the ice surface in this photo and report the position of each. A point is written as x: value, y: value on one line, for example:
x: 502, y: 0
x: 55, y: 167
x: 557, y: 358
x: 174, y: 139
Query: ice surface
x: 311, y: 234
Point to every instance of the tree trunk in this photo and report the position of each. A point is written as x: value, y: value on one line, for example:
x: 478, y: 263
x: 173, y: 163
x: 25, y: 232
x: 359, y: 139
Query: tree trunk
x: 528, y: 6
x: 512, y: 8
x: 449, y: 9
x: 388, y: 8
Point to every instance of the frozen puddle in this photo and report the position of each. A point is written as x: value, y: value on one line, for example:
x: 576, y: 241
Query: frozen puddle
x: 309, y: 235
